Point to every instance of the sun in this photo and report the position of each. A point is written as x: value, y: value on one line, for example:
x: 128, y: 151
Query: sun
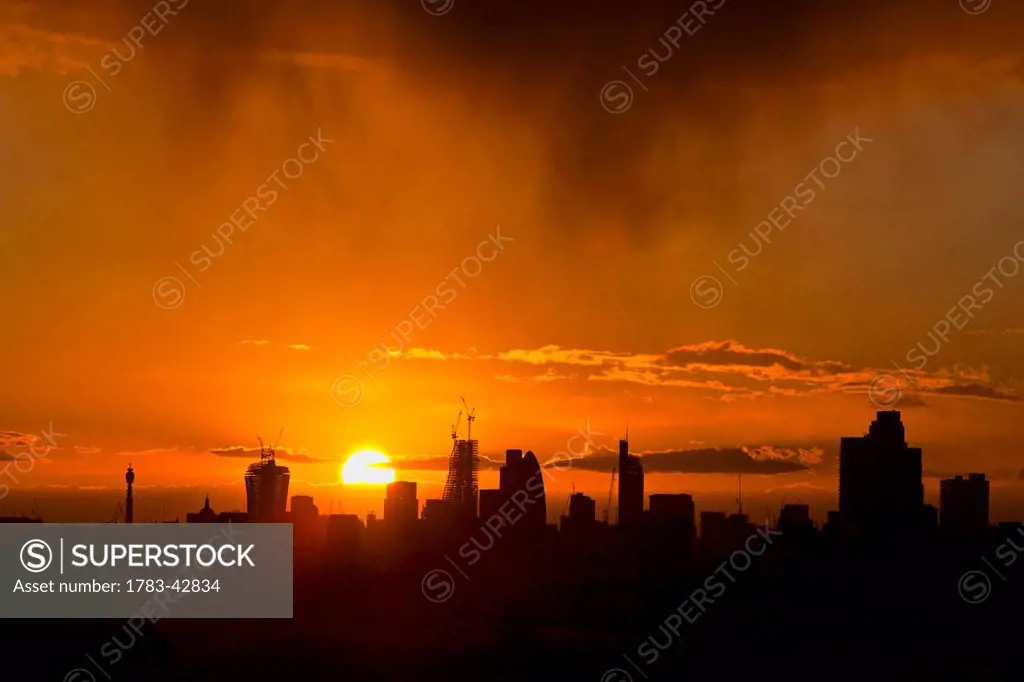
x: 364, y: 467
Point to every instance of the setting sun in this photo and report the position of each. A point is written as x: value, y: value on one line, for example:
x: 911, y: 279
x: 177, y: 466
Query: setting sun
x: 364, y: 467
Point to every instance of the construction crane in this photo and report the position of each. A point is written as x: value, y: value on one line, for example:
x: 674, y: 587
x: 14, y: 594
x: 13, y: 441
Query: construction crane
x: 470, y: 418
x: 118, y: 513
x: 611, y: 489
x: 268, y: 453
x: 455, y: 426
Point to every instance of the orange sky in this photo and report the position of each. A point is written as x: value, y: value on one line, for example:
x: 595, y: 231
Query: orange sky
x: 445, y: 131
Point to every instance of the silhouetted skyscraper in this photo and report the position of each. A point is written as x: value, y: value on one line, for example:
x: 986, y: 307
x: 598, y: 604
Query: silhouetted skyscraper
x: 880, y: 477
x: 490, y: 503
x: 674, y: 515
x: 129, y: 502
x: 963, y: 504
x: 266, y: 489
x: 400, y: 504
x: 461, y: 486
x: 307, y: 529
x: 508, y: 473
x: 521, y: 479
x: 582, y: 508
x: 582, y: 513
x: 631, y: 486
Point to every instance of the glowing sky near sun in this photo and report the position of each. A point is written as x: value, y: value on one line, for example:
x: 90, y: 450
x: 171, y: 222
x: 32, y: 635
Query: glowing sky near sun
x: 445, y: 128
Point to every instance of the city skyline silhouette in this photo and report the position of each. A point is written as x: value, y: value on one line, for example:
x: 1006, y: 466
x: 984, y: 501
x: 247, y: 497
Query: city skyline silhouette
x: 614, y: 342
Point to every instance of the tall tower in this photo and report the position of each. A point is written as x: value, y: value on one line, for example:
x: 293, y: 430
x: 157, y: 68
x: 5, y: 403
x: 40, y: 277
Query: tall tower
x: 129, y: 503
x: 631, y: 486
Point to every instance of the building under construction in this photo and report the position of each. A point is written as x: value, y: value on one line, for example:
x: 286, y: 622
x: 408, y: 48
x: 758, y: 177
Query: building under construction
x: 266, y: 488
x: 461, y: 488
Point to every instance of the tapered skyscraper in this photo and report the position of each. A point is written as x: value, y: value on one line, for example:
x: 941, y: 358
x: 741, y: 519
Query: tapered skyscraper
x: 631, y: 486
x: 266, y: 488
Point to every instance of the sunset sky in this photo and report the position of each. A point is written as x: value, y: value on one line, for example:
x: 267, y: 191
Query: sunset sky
x: 439, y: 126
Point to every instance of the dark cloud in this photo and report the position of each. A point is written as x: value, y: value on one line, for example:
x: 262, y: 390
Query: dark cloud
x: 487, y: 462
x: 729, y: 367
x: 421, y: 464
x: 731, y: 353
x: 701, y: 461
x: 539, y: 65
x: 976, y: 391
x: 763, y: 460
x: 282, y: 454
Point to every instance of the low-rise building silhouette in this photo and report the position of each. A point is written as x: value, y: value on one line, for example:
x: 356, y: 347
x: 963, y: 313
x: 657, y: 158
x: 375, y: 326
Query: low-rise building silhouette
x: 204, y: 515
x: 963, y: 504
